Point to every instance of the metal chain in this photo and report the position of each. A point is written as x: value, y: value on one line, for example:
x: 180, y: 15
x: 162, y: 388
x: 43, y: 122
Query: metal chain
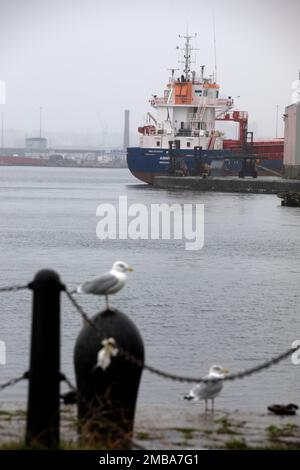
x: 128, y: 357
x: 265, y: 365
x: 11, y: 382
x: 231, y: 377
x: 178, y: 378
x: 80, y: 310
x: 71, y: 397
x: 239, y: 375
x: 13, y: 288
x: 68, y: 382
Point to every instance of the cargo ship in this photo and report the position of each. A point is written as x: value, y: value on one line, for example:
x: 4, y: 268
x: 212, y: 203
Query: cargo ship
x: 22, y: 161
x: 181, y: 138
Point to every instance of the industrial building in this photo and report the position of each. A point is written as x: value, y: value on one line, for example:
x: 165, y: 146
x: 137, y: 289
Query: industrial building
x: 36, y: 143
x: 291, y: 157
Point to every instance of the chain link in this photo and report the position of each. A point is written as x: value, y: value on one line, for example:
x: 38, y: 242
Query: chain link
x: 239, y: 375
x: 71, y: 397
x: 263, y: 366
x: 64, y: 378
x: 178, y: 378
x: 80, y: 310
x: 128, y: 357
x: 12, y: 382
x: 13, y: 288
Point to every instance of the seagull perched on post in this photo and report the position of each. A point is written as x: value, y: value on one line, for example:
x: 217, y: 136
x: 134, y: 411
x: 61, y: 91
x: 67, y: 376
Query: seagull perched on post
x: 107, y: 284
x: 209, y: 389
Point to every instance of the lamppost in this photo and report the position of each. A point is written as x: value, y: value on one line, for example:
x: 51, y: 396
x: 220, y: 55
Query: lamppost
x: 277, y: 112
x: 2, y: 102
x: 2, y: 129
x: 41, y: 111
x: 237, y: 127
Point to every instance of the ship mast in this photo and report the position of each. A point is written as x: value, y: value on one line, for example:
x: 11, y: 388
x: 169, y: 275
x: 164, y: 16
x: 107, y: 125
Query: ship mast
x: 187, y: 55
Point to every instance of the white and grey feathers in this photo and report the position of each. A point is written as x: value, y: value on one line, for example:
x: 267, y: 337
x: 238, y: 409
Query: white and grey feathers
x: 209, y: 389
x: 107, y: 284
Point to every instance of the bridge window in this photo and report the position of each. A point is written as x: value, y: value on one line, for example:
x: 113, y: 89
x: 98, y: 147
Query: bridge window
x: 188, y: 144
x: 157, y: 144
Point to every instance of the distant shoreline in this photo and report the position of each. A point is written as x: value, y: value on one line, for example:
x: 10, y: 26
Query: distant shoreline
x: 112, y: 167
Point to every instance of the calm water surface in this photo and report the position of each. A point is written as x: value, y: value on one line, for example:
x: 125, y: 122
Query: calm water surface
x: 235, y: 302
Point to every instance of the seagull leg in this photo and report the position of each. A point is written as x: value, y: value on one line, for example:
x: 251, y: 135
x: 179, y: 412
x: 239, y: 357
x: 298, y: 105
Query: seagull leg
x: 205, y: 406
x: 107, y: 304
x: 212, y: 405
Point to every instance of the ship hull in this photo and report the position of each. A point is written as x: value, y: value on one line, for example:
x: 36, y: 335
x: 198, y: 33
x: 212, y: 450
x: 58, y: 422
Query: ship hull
x: 22, y: 161
x: 146, y: 163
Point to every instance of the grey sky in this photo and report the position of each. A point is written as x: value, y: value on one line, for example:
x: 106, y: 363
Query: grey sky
x: 85, y: 61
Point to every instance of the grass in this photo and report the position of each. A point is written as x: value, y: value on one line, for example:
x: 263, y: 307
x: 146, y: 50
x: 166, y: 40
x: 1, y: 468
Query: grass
x: 14, y: 445
x: 187, y: 432
x: 226, y: 426
x: 64, y: 445
x: 181, y: 444
x: 233, y: 444
x: 8, y: 415
x: 236, y: 444
x: 240, y: 444
x: 275, y: 432
x: 142, y: 436
x: 223, y: 426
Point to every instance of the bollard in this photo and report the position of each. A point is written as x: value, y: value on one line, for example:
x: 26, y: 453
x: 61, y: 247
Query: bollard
x: 43, y: 421
x: 107, y: 398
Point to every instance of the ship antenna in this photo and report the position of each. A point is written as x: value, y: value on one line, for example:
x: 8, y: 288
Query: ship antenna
x: 173, y: 73
x: 215, y: 45
x: 187, y: 54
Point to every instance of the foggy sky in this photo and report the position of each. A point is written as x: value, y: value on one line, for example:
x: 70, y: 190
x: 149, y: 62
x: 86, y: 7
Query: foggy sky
x: 85, y: 61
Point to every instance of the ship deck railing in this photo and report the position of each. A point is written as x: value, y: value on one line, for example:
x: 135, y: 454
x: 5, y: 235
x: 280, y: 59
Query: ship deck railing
x: 195, y: 101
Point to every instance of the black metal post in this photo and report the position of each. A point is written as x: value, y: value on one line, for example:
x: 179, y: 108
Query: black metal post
x: 107, y: 398
x: 43, y: 398
x: 172, y: 159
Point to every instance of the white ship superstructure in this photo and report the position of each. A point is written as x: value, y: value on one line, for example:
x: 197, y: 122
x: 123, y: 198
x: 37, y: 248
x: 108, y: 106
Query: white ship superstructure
x: 187, y: 111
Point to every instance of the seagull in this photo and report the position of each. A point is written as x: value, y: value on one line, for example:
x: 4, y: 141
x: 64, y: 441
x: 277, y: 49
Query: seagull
x: 209, y: 389
x: 108, y: 283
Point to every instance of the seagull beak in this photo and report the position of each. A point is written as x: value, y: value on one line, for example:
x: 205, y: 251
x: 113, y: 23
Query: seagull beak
x: 225, y: 371
x: 129, y: 269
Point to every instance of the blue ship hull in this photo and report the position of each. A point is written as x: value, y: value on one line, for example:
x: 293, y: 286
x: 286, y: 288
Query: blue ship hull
x: 146, y: 163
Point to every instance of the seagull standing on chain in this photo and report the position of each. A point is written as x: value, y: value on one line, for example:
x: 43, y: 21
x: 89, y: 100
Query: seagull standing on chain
x: 107, y: 284
x: 209, y: 389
